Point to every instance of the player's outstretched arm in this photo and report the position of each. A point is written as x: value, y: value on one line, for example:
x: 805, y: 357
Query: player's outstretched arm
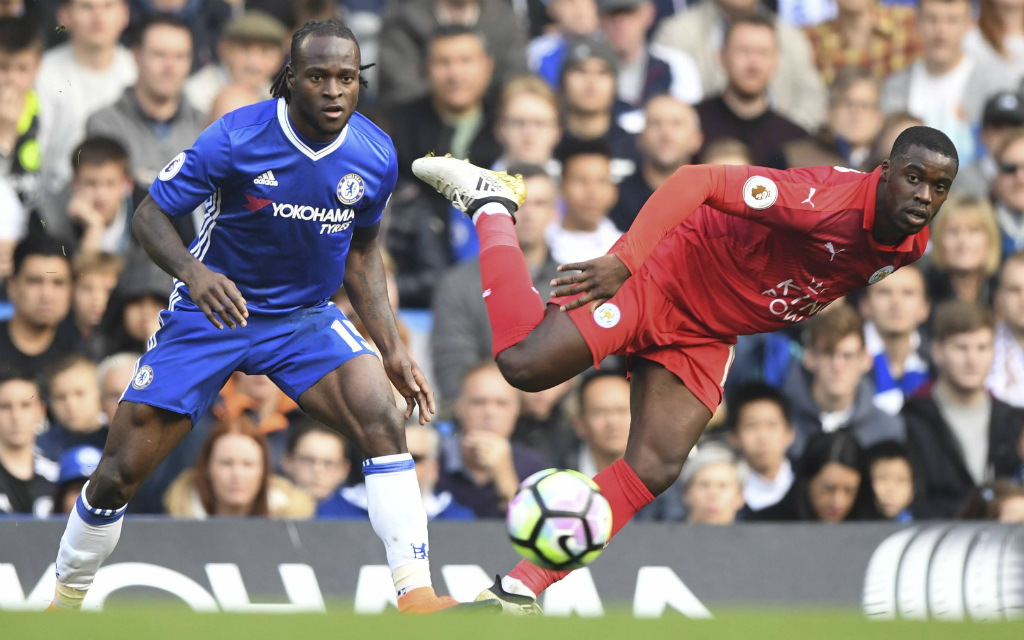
x: 212, y: 292
x: 367, y: 289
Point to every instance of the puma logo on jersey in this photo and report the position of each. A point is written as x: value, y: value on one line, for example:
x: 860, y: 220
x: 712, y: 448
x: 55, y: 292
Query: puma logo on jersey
x: 832, y: 249
x: 267, y: 179
x: 809, y: 196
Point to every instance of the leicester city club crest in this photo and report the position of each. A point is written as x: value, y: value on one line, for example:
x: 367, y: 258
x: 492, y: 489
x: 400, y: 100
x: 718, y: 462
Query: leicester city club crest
x: 351, y: 188
x: 881, y: 274
x: 607, y: 315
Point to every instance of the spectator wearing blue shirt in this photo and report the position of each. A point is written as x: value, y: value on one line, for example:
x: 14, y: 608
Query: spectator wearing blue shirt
x: 76, y: 465
x: 75, y: 407
x: 572, y: 19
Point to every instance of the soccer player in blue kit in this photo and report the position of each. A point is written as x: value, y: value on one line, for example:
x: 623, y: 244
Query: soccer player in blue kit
x: 294, y: 191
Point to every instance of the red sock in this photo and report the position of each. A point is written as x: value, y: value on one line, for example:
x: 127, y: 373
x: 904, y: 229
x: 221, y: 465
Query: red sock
x: 513, y: 305
x: 626, y: 495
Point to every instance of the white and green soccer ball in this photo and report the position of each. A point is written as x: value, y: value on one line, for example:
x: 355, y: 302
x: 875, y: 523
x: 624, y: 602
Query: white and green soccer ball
x: 559, y: 520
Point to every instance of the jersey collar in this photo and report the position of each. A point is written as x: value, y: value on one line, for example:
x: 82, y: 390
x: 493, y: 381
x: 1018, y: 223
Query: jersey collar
x: 293, y: 136
x: 907, y: 245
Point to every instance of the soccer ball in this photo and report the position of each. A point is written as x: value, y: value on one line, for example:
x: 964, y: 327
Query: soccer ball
x: 559, y: 520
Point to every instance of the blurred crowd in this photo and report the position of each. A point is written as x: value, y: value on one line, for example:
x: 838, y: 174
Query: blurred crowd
x: 905, y: 402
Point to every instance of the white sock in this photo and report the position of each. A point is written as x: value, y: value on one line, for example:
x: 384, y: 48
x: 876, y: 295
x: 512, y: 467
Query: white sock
x: 398, y: 518
x: 89, y: 539
x: 490, y: 208
x: 516, y: 586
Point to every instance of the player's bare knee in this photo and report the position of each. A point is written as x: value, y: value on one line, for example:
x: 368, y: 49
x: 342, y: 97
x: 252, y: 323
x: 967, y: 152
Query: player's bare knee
x: 110, y: 487
x: 384, y: 435
x: 656, y: 471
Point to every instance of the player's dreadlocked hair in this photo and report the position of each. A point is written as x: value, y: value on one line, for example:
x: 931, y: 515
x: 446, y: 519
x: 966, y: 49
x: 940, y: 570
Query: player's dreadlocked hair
x: 312, y: 28
x: 926, y: 138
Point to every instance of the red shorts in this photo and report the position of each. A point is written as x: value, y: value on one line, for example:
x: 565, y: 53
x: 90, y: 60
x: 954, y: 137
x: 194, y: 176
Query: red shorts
x: 640, y: 321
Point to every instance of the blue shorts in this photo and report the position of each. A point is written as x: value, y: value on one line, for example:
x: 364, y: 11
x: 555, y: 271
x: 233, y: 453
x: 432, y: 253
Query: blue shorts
x: 189, y: 360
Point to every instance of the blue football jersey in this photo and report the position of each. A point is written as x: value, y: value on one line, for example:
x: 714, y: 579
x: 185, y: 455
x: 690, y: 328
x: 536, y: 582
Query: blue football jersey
x: 280, y: 209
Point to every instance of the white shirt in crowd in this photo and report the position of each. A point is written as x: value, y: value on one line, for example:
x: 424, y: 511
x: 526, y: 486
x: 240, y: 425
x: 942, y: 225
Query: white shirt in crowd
x: 759, y: 492
x: 67, y: 88
x: 1006, y: 380
x: 13, y: 217
x: 577, y: 246
x: 939, y: 102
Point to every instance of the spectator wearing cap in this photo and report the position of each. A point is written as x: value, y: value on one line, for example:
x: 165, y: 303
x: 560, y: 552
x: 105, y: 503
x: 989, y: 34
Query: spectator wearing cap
x: 572, y: 19
x: 796, y: 89
x: 133, y: 313
x: 75, y: 407
x: 26, y: 477
x: 670, y: 139
x: 250, y: 52
x: 1008, y: 192
x: 1003, y: 113
x: 153, y: 120
x: 76, y: 466
x: 588, y: 92
x: 1006, y: 380
x: 645, y: 70
x: 712, y: 482
x: 588, y: 193
x: 750, y: 57
x: 408, y: 32
x: 866, y: 34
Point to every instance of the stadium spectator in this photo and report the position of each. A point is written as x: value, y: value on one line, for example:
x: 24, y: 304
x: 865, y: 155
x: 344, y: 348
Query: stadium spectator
x: 959, y: 436
x: 409, y: 33
x: 997, y: 41
x: 424, y: 446
x: 250, y: 52
x: 26, y: 477
x: 315, y: 459
x: 588, y: 93
x: 133, y: 313
x: 232, y: 477
x: 893, y: 125
x: 894, y: 310
x: 944, y: 87
x: 645, y: 70
x: 259, y: 399
x: 742, y: 110
x: 726, y: 151
x: 528, y: 127
x: 1006, y: 380
x: 1001, y: 501
x: 892, y: 480
x: 712, y: 485
x: 602, y: 424
x: 80, y: 77
x: 76, y: 465
x: 13, y: 227
x: 153, y: 119
x: 114, y: 375
x: 480, y: 466
x: 461, y: 334
x: 671, y: 138
x: 854, y: 121
x: 25, y: 132
x: 94, y: 214
x: 1004, y: 112
x: 1008, y: 192
x: 830, y: 484
x: 78, y: 418
x: 589, y: 193
x: 965, y: 251
x: 796, y: 89
x: 40, y: 291
x: 231, y: 97
x: 96, y: 276
x: 830, y: 392
x: 572, y: 19
x: 761, y: 433
x: 878, y: 38
x: 204, y: 20
x: 545, y: 420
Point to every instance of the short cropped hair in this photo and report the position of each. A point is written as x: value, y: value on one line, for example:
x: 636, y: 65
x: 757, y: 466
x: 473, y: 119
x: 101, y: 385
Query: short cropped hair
x: 526, y: 85
x: 37, y: 244
x: 528, y: 171
x: 753, y: 20
x: 97, y: 262
x: 924, y: 137
x: 100, y: 150
x: 754, y: 392
x: 960, y: 316
x: 886, y: 450
x: 826, y: 330
x: 18, y: 35
x: 67, y: 363
x: 576, y: 148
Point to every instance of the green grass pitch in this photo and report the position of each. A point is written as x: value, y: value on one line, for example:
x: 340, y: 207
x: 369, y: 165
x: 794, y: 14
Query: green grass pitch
x: 150, y: 623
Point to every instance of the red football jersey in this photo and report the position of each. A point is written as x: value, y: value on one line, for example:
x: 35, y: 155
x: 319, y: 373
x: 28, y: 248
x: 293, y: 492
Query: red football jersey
x: 747, y: 250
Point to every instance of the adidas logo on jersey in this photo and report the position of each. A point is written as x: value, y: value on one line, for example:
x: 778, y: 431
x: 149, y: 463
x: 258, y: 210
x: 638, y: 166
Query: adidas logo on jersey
x: 266, y: 178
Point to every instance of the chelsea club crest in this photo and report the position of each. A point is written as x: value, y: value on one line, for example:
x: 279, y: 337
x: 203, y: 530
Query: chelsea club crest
x: 351, y: 188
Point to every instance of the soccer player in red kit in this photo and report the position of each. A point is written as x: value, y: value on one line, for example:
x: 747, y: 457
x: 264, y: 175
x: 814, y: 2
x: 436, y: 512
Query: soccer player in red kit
x: 716, y: 252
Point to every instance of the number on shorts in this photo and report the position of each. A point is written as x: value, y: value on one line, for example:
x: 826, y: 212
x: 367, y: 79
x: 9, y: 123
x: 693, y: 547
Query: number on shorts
x: 346, y: 336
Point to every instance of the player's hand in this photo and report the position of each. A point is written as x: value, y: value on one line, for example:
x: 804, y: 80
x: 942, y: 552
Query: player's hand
x: 597, y: 279
x: 216, y: 295
x: 405, y: 374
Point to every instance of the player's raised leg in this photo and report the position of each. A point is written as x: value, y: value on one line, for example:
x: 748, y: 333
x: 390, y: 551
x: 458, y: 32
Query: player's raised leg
x: 534, y: 349
x: 140, y: 438
x: 666, y: 421
x: 356, y: 400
